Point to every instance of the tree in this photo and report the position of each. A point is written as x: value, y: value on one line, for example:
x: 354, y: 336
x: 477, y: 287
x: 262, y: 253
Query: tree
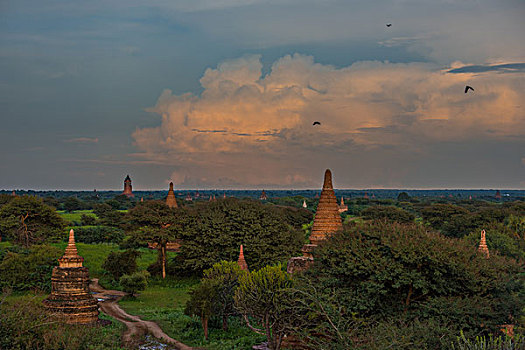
x: 72, y: 204
x: 154, y: 221
x: 121, y: 263
x: 261, y: 295
x: 26, y: 220
x: 403, y: 197
x: 436, y: 215
x: 135, y: 282
x: 387, y: 213
x: 214, y: 231
x: 201, y: 303
x: 388, y: 271
x: 25, y: 269
x: 108, y: 215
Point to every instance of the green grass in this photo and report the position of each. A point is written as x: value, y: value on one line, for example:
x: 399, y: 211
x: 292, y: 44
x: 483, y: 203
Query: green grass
x: 164, y: 301
x: 76, y: 215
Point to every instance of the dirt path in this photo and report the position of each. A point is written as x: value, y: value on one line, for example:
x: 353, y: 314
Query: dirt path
x: 136, y: 326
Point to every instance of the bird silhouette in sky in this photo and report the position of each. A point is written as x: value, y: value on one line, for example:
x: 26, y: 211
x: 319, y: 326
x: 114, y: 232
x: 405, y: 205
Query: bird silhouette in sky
x: 316, y: 123
x: 389, y: 24
x: 468, y: 87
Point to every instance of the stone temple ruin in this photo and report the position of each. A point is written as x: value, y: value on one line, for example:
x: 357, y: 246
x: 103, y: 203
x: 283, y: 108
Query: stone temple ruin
x: 327, y: 221
x: 170, y: 199
x: 70, y: 296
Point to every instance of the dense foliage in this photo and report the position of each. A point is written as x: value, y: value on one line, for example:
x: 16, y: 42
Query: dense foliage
x: 25, y: 324
x: 262, y: 295
x: 25, y: 269
x: 387, y: 271
x: 121, y: 263
x: 135, y: 282
x: 387, y: 213
x: 27, y: 220
x: 98, y: 234
x: 215, y: 231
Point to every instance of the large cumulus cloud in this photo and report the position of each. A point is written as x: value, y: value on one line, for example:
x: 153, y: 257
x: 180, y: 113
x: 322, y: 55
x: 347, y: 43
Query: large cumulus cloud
x: 251, y: 129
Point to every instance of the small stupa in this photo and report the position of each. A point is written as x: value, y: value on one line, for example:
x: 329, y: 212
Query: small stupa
x: 127, y: 187
x: 343, y: 207
x: 70, y: 296
x: 242, y: 263
x: 327, y: 219
x: 483, y: 245
x: 170, y: 199
x: 263, y: 196
x: 365, y: 196
x: 304, y: 204
x: 497, y: 195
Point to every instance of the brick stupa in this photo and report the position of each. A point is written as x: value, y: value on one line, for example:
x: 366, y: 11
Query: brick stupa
x: 70, y: 296
x: 127, y: 187
x: 327, y: 219
x: 170, y: 200
x: 483, y: 245
x: 242, y: 263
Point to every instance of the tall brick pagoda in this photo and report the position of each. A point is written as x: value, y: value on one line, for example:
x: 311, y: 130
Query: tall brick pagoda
x: 326, y: 222
x: 70, y: 296
x: 170, y: 200
x: 483, y: 245
x: 127, y: 187
x: 327, y: 219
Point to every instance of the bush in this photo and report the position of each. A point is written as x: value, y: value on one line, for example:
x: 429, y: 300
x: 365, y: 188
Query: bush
x: 25, y: 324
x: 98, y: 234
x: 121, y: 263
x: 28, y: 269
x: 133, y: 283
x: 388, y: 213
x: 88, y: 220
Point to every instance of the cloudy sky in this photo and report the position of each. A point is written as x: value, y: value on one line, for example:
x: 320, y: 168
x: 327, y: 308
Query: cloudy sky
x: 223, y: 93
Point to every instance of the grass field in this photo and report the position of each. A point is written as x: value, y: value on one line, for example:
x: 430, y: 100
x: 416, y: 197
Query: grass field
x: 164, y: 301
x: 76, y: 215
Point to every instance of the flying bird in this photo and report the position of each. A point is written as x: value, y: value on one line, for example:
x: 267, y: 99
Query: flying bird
x: 468, y: 87
x: 389, y: 24
x: 316, y: 123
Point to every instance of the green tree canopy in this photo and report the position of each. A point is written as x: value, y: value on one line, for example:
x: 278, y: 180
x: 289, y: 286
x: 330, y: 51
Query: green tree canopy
x: 388, y: 270
x: 26, y: 220
x: 214, y: 231
x: 387, y: 213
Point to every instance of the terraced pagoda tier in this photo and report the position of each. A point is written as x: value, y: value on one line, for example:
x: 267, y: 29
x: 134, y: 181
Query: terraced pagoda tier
x: 70, y: 296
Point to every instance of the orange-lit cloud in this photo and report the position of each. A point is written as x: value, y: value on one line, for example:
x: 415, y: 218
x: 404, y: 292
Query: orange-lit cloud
x: 252, y: 129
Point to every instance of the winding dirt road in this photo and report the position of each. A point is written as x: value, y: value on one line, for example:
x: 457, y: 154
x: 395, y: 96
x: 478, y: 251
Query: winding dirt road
x: 136, y: 326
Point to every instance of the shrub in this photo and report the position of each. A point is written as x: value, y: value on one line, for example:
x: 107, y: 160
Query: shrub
x: 121, y: 263
x: 135, y: 282
x: 99, y: 234
x: 29, y: 269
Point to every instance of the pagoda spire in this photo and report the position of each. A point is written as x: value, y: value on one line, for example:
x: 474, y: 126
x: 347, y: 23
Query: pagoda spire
x: 483, y: 245
x: 327, y: 219
x: 242, y: 263
x: 71, y: 257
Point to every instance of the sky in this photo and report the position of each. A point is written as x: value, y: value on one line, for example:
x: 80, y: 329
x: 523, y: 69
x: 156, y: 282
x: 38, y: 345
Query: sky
x: 223, y: 94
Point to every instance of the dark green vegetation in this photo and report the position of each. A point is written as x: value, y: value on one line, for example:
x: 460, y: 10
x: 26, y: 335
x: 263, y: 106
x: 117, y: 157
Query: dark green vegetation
x: 405, y: 273
x: 24, y: 324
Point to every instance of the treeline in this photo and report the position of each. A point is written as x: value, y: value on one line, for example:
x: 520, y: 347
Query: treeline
x: 373, y: 286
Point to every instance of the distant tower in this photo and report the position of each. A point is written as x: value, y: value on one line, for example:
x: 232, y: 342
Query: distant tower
x: 263, y: 196
x: 13, y: 194
x: 141, y: 199
x: 127, y: 187
x: 342, y: 206
x: 498, y: 195
x: 170, y: 200
x: 365, y: 196
x: 224, y: 195
x: 304, y: 204
x: 327, y: 219
x: 483, y: 245
x: 70, y: 296
x: 242, y: 263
